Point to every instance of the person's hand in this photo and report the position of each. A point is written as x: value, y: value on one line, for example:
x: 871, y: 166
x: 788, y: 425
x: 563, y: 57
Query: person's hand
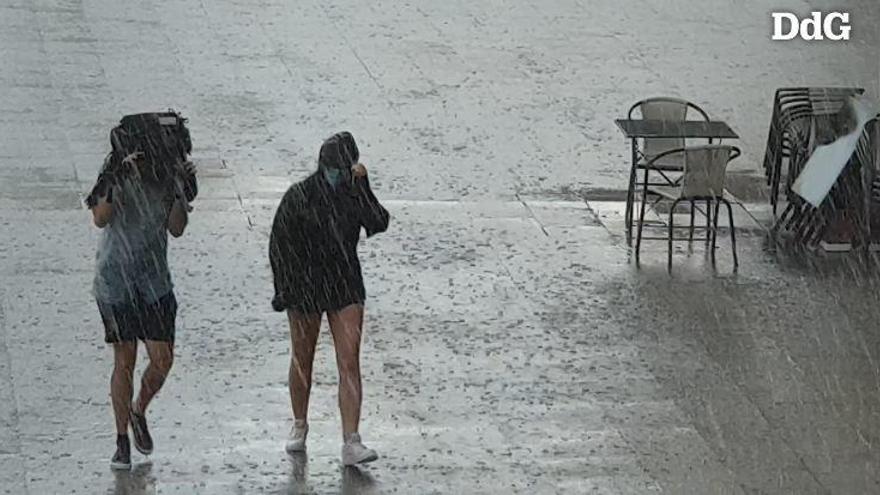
x: 189, y: 168
x: 359, y: 170
x: 177, y: 195
x: 133, y: 160
x: 132, y: 164
x: 182, y: 172
x: 186, y: 176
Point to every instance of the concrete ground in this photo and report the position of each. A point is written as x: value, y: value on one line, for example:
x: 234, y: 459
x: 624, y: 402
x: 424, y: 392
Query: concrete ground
x: 512, y: 346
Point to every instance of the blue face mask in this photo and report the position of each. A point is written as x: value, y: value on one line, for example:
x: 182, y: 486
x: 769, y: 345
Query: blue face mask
x: 334, y: 176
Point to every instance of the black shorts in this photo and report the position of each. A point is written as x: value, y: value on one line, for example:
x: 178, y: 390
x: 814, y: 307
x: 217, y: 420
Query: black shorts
x: 136, y: 320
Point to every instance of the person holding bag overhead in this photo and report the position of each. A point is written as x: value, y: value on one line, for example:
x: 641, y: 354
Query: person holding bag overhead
x: 315, y: 267
x: 142, y: 194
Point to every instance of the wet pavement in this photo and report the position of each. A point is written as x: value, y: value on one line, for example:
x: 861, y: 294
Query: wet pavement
x: 511, y: 344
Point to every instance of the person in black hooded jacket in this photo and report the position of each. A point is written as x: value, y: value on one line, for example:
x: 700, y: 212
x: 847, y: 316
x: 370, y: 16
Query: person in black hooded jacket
x: 315, y: 267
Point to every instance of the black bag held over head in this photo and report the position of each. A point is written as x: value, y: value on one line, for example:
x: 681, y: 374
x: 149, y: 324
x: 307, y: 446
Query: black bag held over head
x: 165, y: 142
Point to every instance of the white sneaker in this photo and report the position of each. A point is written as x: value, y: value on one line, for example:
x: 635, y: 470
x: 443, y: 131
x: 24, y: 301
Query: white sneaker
x: 354, y: 452
x: 296, y: 442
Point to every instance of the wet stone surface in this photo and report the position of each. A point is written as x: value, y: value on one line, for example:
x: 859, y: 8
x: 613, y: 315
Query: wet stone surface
x: 511, y: 345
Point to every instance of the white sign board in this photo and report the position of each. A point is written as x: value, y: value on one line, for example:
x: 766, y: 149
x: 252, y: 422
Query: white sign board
x: 827, y: 161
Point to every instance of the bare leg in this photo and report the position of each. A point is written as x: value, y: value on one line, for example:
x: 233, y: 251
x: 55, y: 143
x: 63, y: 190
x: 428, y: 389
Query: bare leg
x: 161, y: 359
x: 124, y: 358
x: 304, y: 331
x: 345, y: 325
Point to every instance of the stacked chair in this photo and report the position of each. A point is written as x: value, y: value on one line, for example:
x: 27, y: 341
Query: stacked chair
x: 788, y: 141
x: 797, y: 120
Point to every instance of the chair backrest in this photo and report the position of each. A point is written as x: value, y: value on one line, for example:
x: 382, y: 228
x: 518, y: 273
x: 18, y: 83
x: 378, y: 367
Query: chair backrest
x: 704, y: 170
x: 666, y: 109
x: 795, y: 105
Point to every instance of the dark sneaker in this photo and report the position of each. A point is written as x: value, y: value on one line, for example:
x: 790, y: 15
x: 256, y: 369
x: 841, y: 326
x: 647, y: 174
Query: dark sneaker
x: 142, y: 440
x: 122, y: 458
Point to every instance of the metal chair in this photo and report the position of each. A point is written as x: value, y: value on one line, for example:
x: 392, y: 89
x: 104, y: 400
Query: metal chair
x: 702, y: 180
x: 794, y: 110
x: 665, y: 109
x: 852, y: 202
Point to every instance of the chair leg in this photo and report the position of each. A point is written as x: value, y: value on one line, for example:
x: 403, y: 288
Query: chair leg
x: 732, y: 234
x: 691, y: 233
x: 631, y: 192
x: 708, y: 220
x: 781, y: 221
x: 641, y: 218
x: 671, y: 234
x: 627, y: 216
x: 715, y: 230
x: 774, y: 190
